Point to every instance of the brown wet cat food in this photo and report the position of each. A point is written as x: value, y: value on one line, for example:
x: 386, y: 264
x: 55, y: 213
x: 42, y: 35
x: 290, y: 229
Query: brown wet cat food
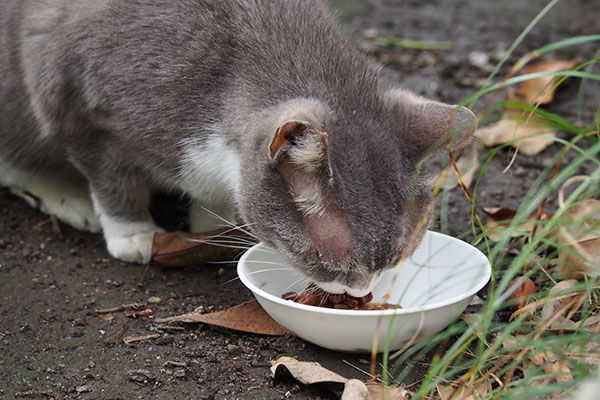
x: 315, y: 296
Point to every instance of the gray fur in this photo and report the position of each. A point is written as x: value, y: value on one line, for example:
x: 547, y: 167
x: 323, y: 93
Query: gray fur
x: 109, y: 91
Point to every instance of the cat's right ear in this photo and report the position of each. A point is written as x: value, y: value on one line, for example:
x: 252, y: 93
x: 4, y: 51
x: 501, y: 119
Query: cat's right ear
x: 427, y: 125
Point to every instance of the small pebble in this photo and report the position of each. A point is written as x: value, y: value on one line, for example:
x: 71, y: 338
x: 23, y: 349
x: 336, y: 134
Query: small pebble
x: 232, y: 349
x: 139, y: 375
x: 479, y: 59
x: 83, y: 389
x: 77, y: 333
x: 154, y: 300
x: 179, y: 373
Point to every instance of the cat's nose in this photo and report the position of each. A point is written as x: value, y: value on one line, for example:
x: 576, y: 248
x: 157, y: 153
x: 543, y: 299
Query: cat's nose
x: 330, y: 234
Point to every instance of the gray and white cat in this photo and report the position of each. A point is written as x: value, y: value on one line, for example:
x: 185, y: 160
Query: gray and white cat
x: 256, y: 107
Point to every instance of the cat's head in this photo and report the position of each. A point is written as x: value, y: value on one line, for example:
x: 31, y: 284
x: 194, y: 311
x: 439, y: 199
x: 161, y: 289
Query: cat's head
x: 342, y: 194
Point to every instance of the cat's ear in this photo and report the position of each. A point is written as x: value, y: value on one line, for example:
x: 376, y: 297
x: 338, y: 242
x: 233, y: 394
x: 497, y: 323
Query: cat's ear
x: 428, y: 124
x: 299, y: 153
x: 303, y: 144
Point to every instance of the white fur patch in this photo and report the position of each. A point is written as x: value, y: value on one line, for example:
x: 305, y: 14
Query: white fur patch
x: 210, y: 170
x: 128, y: 241
x: 334, y: 287
x: 70, y: 203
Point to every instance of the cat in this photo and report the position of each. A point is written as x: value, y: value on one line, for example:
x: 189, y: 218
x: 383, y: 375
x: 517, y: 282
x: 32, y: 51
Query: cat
x: 258, y: 109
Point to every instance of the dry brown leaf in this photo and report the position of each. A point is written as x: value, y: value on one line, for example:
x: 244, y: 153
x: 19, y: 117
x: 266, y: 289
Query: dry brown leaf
x: 355, y: 390
x: 246, y: 317
x: 540, y: 90
x: 563, y: 324
x: 380, y: 392
x: 182, y: 249
x: 467, y: 164
x: 309, y: 373
x: 560, y: 295
x: 468, y: 391
x: 525, y: 288
x: 579, y: 235
x: 500, y: 218
x: 529, y: 135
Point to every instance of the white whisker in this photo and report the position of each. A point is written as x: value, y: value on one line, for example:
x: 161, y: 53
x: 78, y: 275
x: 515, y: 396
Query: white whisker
x: 219, y: 244
x: 227, y: 222
x: 294, y: 283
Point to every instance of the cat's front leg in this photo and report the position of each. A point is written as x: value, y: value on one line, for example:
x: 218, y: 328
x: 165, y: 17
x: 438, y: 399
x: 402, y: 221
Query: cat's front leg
x: 123, y: 210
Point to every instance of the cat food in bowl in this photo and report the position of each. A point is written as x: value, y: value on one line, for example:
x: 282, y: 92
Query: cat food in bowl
x: 433, y: 287
x: 315, y: 296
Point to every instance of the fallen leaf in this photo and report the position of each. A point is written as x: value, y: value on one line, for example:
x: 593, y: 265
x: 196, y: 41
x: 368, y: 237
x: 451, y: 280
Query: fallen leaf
x: 500, y: 218
x: 579, y: 240
x: 380, y: 392
x: 245, y: 317
x: 309, y: 373
x: 552, y: 365
x: 182, y: 249
x: 540, y: 90
x: 529, y: 135
x: 355, y: 390
x: 467, y: 164
x: 468, y: 391
x: 560, y: 295
x: 524, y: 288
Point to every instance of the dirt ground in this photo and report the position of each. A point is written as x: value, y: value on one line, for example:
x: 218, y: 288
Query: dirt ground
x: 53, y: 342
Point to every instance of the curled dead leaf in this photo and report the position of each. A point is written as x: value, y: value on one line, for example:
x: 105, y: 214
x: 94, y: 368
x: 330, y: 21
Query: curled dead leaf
x: 523, y: 288
x: 499, y: 219
x: 530, y: 136
x: 468, y: 391
x: 309, y: 373
x: 561, y: 300
x: 380, y: 392
x: 183, y: 249
x: 541, y: 90
x: 246, y: 317
x: 579, y: 240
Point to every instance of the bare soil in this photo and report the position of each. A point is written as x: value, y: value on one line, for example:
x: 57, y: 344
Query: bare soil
x: 54, y: 345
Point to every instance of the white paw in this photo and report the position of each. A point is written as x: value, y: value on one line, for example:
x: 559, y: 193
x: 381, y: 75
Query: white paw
x: 75, y: 210
x: 129, y: 241
x: 135, y: 248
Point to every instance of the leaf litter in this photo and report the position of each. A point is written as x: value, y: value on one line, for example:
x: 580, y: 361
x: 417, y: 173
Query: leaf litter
x: 246, y: 317
x: 313, y: 373
x: 183, y: 249
x: 528, y: 132
x: 541, y: 90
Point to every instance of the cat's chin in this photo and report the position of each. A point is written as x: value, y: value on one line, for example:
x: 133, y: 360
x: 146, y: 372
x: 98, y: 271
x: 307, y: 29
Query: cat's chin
x: 337, y: 288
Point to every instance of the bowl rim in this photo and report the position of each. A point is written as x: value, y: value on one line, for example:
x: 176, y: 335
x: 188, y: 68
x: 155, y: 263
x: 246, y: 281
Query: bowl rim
x: 365, y: 313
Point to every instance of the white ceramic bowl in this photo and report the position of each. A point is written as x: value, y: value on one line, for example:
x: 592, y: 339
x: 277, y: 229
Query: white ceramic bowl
x: 433, y: 287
